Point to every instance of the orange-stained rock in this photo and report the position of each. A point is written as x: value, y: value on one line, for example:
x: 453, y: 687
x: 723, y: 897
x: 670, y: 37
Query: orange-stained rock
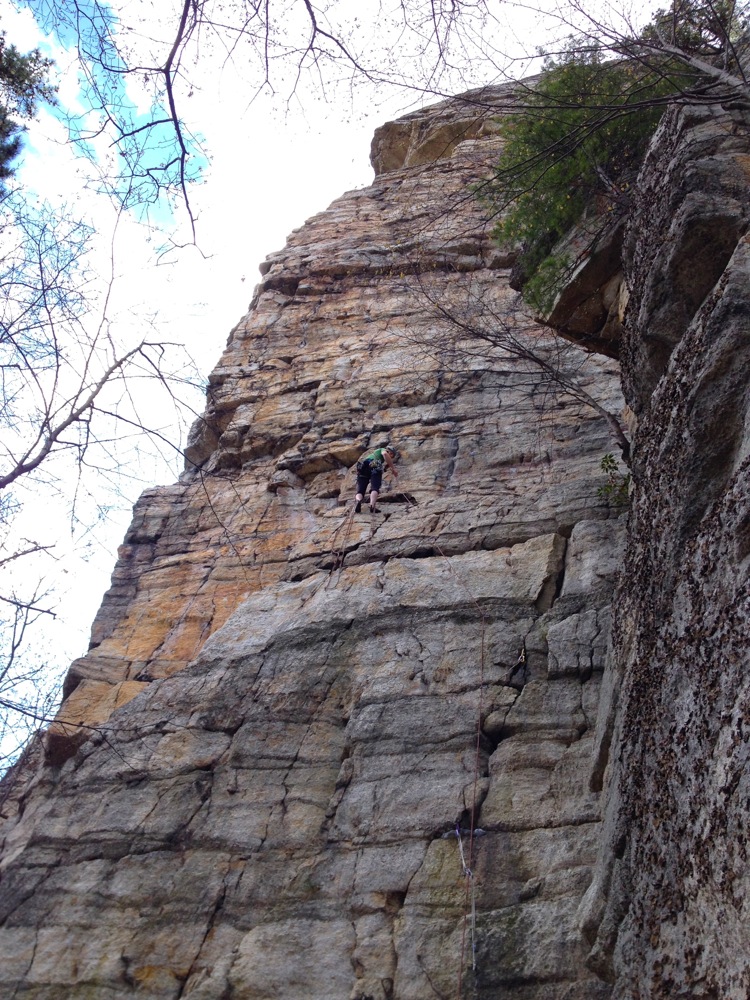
x: 324, y: 696
x: 90, y: 704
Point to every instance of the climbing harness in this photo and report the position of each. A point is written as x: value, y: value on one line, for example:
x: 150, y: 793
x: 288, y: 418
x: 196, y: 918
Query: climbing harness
x: 338, y: 551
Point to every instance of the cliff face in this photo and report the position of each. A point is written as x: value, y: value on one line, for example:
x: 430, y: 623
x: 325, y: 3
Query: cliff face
x: 313, y: 754
x: 668, y: 911
x: 299, y: 714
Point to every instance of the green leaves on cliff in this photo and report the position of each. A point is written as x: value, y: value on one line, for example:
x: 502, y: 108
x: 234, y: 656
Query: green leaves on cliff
x: 575, y: 141
x: 572, y: 151
x: 712, y: 30
x: 616, y: 490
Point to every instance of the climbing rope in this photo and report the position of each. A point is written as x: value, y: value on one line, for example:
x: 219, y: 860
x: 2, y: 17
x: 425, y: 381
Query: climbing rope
x: 469, y: 876
x: 338, y: 552
x: 470, y: 911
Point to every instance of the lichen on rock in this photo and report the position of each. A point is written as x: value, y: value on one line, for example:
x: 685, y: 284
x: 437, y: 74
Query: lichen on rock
x: 666, y: 914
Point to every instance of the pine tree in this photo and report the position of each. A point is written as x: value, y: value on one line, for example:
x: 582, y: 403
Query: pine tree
x: 23, y: 83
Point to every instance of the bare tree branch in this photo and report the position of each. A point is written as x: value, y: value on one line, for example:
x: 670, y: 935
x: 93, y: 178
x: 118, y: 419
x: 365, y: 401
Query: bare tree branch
x: 70, y: 402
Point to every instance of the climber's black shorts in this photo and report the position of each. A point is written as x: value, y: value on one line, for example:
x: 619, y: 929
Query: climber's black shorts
x: 366, y: 474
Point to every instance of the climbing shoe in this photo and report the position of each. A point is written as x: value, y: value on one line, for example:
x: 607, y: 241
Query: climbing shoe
x: 358, y: 507
x: 374, y: 510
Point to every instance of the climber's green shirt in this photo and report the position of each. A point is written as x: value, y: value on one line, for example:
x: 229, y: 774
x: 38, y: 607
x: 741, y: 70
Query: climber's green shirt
x: 375, y: 458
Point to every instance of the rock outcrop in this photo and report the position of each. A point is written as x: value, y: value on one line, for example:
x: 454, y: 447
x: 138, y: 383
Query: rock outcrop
x: 268, y: 768
x: 668, y: 910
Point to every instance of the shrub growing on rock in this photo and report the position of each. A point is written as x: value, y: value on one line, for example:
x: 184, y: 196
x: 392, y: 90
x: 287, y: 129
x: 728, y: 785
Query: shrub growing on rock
x: 571, y: 153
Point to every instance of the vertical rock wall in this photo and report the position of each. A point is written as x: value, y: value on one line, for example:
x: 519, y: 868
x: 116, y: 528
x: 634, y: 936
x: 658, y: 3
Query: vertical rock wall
x: 669, y: 911
x: 294, y: 709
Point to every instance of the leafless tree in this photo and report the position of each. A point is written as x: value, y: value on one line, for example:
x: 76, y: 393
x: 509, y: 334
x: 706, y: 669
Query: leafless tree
x: 73, y: 413
x: 427, y: 47
x: 708, y: 38
x: 290, y: 47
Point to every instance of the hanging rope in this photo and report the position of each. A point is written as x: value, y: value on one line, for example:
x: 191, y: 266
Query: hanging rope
x: 469, y: 876
x: 469, y: 922
x: 338, y: 552
x: 470, y: 913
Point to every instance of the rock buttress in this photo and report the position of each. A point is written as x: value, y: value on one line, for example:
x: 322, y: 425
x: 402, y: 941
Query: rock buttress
x: 668, y: 911
x: 293, y: 710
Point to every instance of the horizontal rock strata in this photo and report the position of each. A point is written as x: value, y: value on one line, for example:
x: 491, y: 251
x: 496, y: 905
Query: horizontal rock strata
x: 300, y: 714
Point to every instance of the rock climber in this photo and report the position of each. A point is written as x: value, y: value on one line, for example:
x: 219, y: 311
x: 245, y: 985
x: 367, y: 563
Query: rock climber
x: 370, y: 470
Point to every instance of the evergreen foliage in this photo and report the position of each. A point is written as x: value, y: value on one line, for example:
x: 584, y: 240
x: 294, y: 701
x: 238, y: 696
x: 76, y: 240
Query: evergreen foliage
x: 574, y: 145
x: 23, y: 83
x: 714, y: 30
x: 571, y: 153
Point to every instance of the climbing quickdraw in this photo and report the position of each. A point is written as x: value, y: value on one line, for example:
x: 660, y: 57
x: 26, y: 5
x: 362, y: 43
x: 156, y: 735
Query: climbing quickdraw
x: 521, y: 663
